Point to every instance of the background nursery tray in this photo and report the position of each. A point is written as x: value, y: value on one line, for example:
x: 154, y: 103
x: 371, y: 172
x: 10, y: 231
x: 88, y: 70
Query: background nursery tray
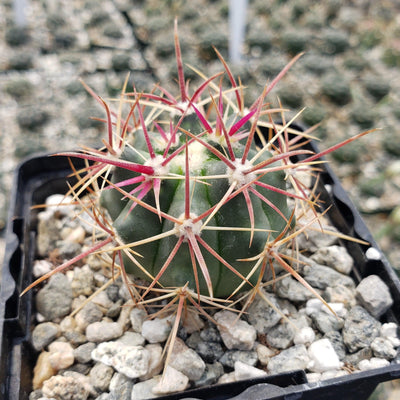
x: 39, y: 177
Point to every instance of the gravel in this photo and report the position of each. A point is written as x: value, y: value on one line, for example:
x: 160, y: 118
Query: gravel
x: 122, y: 356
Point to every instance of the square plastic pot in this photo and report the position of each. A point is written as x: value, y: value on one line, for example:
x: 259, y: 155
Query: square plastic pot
x: 38, y: 177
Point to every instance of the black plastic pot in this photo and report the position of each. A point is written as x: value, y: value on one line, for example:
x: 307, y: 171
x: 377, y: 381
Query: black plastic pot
x: 38, y: 177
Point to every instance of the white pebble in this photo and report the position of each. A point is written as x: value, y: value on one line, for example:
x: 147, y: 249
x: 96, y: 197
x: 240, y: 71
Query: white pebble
x: 338, y: 308
x: 264, y: 353
x: 157, y: 330
x: 394, y: 340
x: 60, y: 203
x: 323, y: 356
x: 172, y: 381
x: 105, y: 352
x: 389, y: 330
x: 304, y: 335
x: 227, y: 378
x: 246, y: 371
x: 313, y: 305
x: 235, y: 333
x: 144, y: 390
x: 313, y: 377
x: 132, y: 361
x: 383, y: 348
x: 374, y: 362
x: 373, y: 254
x: 155, y: 363
x: 59, y: 387
x: 41, y: 267
x: 333, y: 374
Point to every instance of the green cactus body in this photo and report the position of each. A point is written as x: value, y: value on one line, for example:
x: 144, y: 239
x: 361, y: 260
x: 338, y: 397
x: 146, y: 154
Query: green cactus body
x: 213, y: 180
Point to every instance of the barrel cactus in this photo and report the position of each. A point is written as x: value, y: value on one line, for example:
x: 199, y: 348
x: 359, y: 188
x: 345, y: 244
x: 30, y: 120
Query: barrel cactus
x: 192, y: 194
x: 196, y: 192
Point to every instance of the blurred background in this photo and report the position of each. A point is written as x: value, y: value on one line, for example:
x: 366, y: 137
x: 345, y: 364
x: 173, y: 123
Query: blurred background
x: 348, y: 79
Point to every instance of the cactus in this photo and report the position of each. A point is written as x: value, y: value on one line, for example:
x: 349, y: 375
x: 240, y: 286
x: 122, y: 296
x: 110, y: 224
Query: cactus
x: 197, y: 194
x: 194, y: 198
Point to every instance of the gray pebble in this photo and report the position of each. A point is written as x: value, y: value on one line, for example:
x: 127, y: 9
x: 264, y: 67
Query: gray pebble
x: 74, y: 337
x: 211, y: 334
x: 193, y: 340
x: 290, y: 359
x: 89, y: 314
x: 355, y: 358
x: 79, y: 368
x: 100, y: 376
x: 373, y: 294
x: 340, y: 294
x: 101, y: 299
x: 144, y: 390
x: 186, y: 360
x: 262, y: 315
x: 44, y: 334
x: 113, y: 292
x: 235, y: 333
x: 360, y: 329
x: 326, y: 322
x: 314, y: 240
x: 291, y: 289
x: 209, y: 351
x: 137, y: 317
x: 211, y: 374
x: 68, y: 250
x: 132, y: 339
x: 36, y: 395
x: 120, y: 387
x: 48, y: 232
x: 321, y: 277
x: 114, y: 310
x: 281, y: 336
x: 103, y: 331
x: 54, y: 301
x: 82, y: 354
x: 335, y: 257
x: 231, y: 356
